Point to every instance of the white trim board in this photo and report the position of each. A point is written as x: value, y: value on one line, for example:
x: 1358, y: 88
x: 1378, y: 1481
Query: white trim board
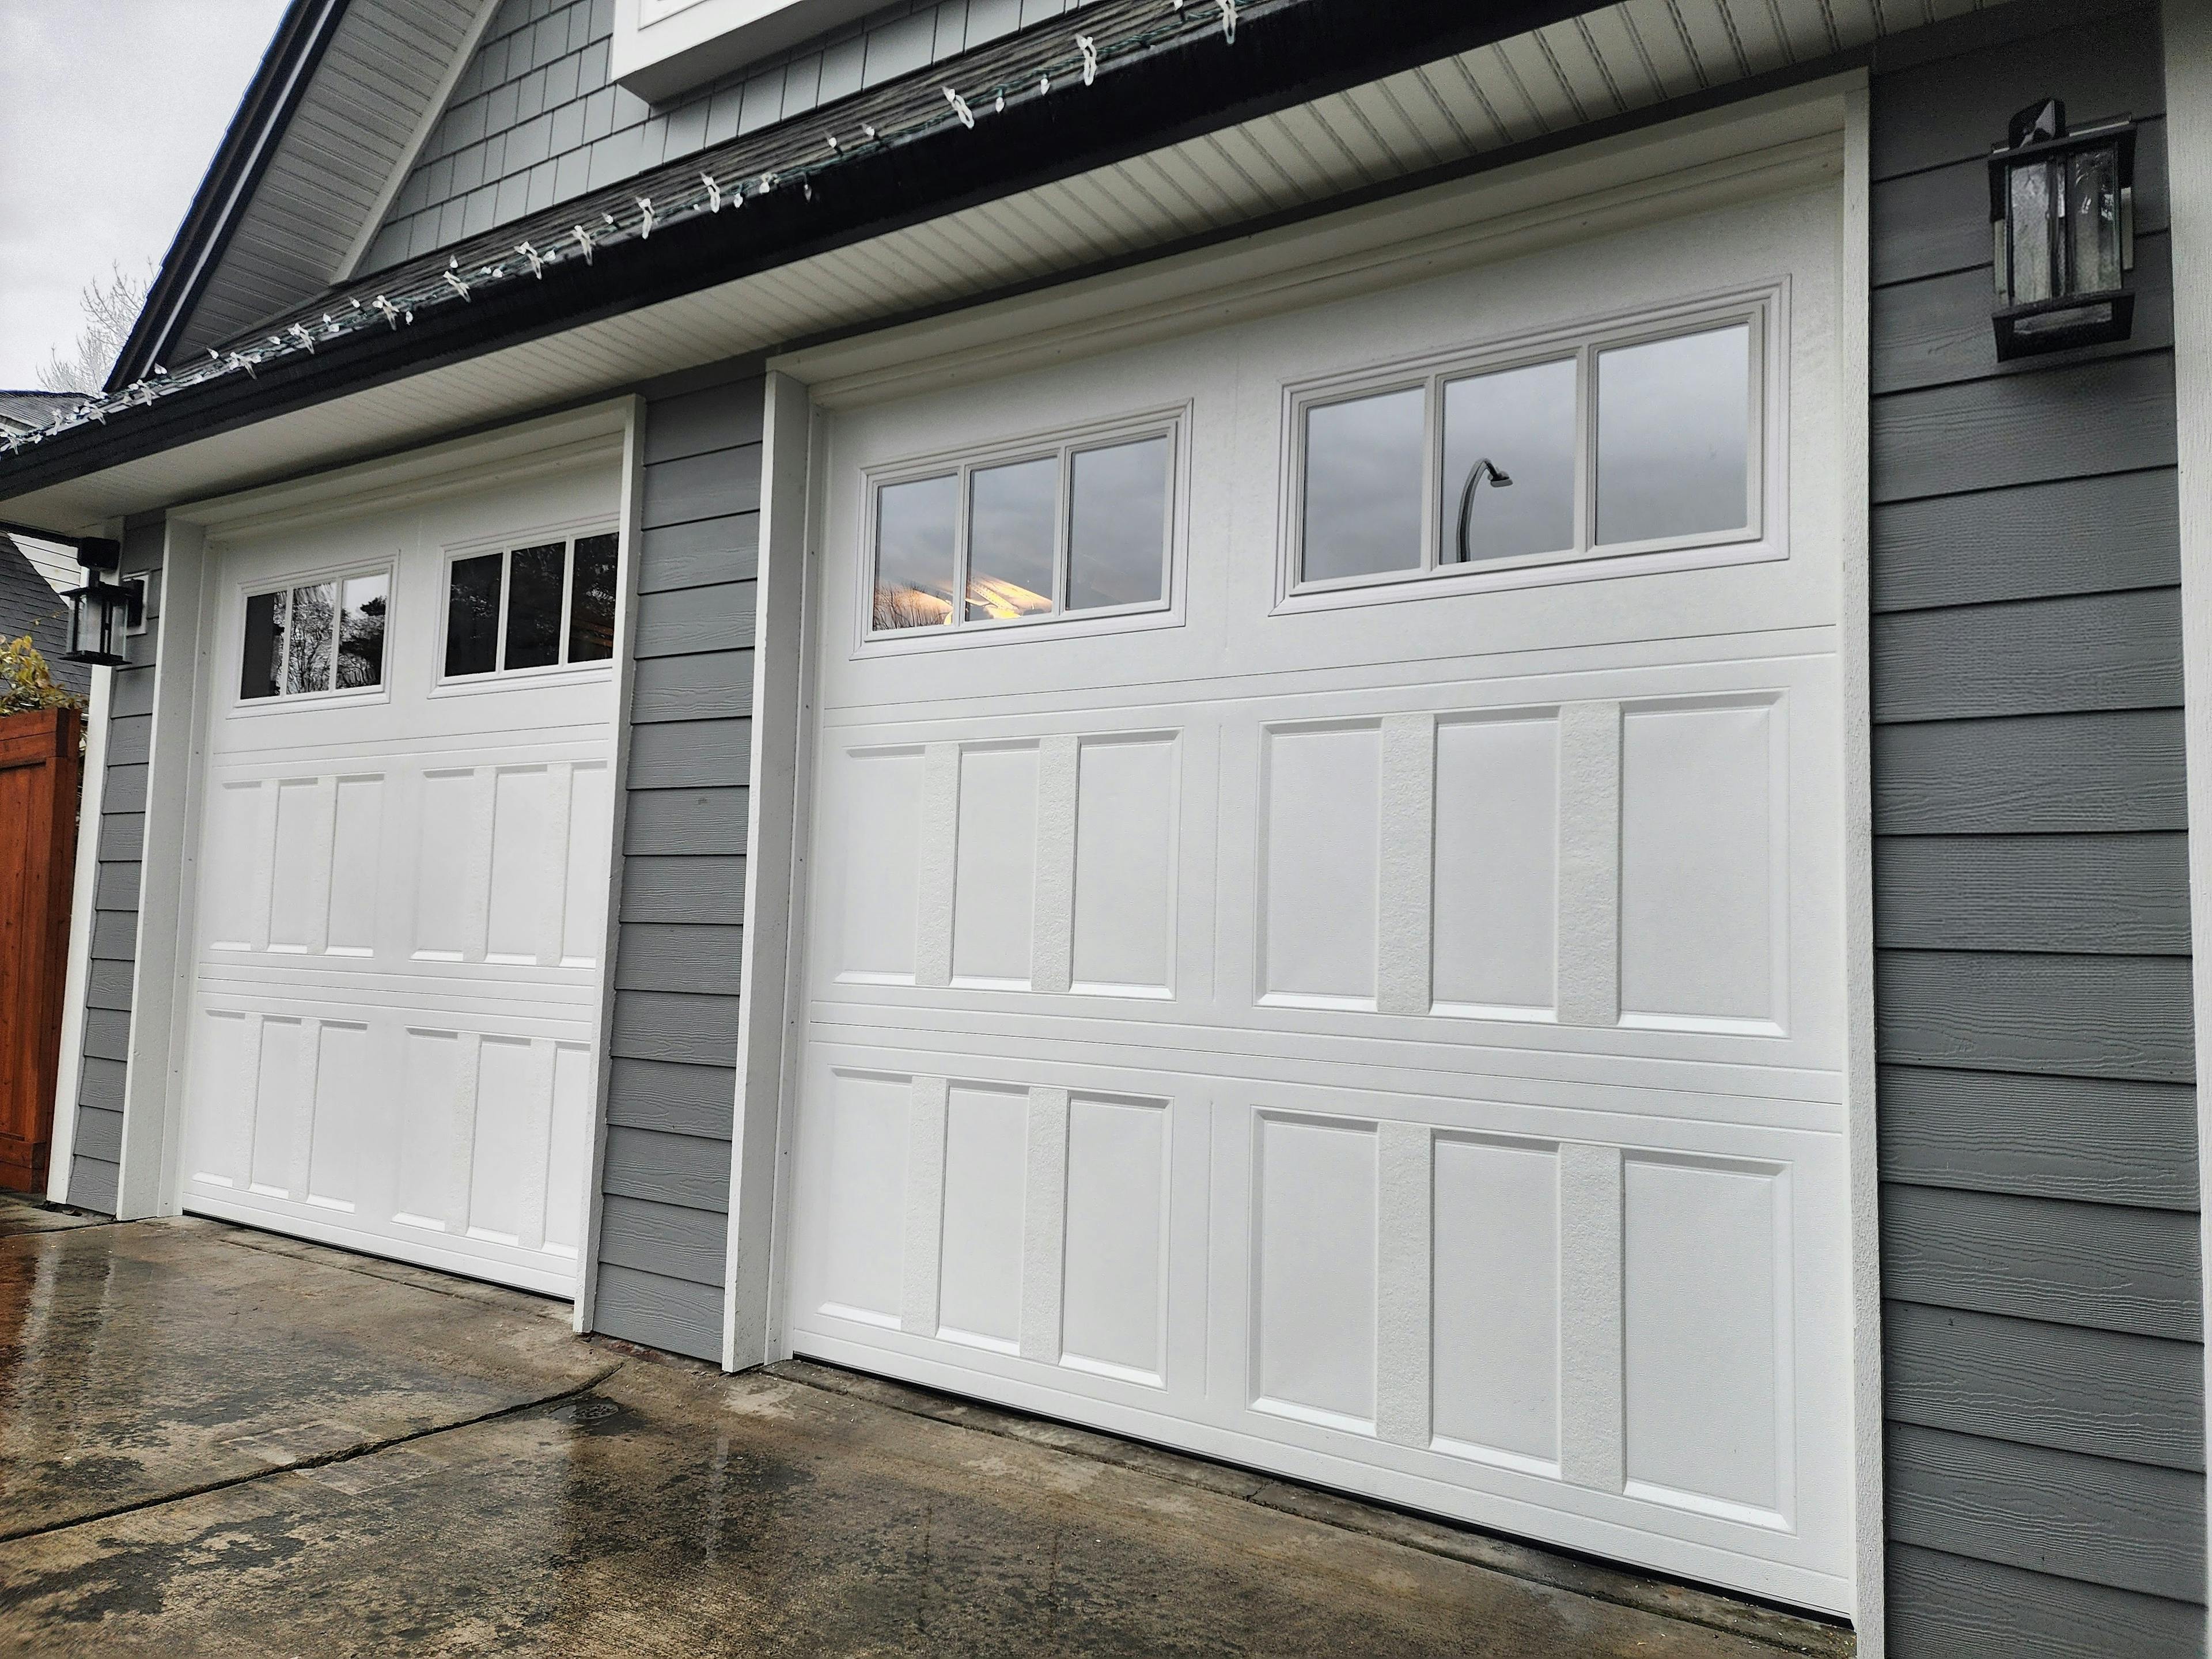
x: 2188, y: 32
x: 69, y: 1072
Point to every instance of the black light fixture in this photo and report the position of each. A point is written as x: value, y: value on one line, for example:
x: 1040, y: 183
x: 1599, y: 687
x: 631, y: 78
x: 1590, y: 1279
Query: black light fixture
x: 95, y: 608
x: 2061, y: 210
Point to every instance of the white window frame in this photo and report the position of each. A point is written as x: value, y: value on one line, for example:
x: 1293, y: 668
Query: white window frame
x: 1764, y: 310
x: 1062, y: 445
x: 283, y: 701
x: 499, y: 676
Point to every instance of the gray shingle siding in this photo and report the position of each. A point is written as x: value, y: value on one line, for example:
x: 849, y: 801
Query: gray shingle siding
x: 96, y: 1153
x: 534, y: 118
x: 2043, y: 1366
x: 672, y: 1089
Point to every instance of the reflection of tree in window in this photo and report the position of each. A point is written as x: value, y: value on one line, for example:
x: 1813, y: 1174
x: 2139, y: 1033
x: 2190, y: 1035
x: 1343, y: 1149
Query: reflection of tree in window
x: 591, y: 600
x: 307, y: 641
x: 472, y: 614
x: 361, y: 631
x: 534, y: 577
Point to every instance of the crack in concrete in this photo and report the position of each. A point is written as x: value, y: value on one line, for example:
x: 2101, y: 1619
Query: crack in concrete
x: 322, y: 1459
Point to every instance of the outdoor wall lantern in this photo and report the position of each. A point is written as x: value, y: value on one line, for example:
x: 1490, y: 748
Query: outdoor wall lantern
x: 95, y: 608
x: 2062, y: 209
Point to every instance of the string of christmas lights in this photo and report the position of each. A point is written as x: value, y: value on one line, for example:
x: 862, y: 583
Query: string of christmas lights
x: 800, y: 160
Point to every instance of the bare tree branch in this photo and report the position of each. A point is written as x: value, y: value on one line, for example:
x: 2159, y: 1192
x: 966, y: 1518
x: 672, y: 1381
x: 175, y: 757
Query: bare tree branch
x: 110, y: 308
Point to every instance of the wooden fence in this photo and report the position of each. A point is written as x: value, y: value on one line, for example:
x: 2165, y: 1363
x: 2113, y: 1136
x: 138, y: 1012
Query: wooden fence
x: 39, y: 766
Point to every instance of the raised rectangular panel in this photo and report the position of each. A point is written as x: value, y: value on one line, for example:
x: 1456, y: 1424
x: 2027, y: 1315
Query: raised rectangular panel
x: 1124, y: 836
x: 282, y: 1068
x: 994, y: 874
x: 226, y: 1063
x: 529, y: 860
x: 1115, y: 1255
x: 1496, y: 884
x: 356, y: 851
x: 567, y: 1160
x: 449, y: 906
x: 590, y: 826
x: 979, y: 1297
x: 431, y: 1119
x: 1495, y: 1358
x: 1697, y: 864
x: 507, y: 1168
x: 299, y: 867
x: 862, y: 1216
x: 237, y: 868
x: 348, y: 1110
x: 1313, y: 1248
x: 1705, y: 1278
x: 876, y: 834
x: 1319, y: 875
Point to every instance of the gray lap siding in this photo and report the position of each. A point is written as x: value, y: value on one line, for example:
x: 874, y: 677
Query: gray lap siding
x: 2043, y: 1358
x: 672, y: 1083
x: 95, y: 1155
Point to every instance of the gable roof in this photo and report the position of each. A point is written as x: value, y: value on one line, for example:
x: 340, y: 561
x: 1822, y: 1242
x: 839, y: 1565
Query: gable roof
x: 332, y: 113
x: 27, y: 411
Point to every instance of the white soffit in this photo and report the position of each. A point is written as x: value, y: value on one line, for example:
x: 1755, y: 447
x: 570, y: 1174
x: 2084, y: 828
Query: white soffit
x: 1299, y: 158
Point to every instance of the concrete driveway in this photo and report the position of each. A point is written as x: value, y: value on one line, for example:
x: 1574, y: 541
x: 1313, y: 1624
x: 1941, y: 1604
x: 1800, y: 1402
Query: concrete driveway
x: 216, y: 1441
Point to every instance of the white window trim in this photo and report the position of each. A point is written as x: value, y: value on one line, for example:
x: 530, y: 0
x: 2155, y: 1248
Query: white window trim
x: 502, y: 677
x: 1764, y: 537
x: 283, y: 702
x: 964, y: 463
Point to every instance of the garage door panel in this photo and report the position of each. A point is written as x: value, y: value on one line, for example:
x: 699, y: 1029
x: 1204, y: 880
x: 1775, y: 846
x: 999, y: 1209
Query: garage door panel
x: 1504, y: 1302
x: 1391, y: 1034
x: 400, y: 922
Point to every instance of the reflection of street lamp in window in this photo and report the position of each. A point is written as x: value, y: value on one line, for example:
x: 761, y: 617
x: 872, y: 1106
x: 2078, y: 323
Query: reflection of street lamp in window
x: 1482, y: 469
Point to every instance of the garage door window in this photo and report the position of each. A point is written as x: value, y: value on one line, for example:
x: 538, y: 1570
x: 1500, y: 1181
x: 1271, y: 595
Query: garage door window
x: 315, y: 638
x: 1075, y: 528
x: 546, y: 606
x: 1635, y: 439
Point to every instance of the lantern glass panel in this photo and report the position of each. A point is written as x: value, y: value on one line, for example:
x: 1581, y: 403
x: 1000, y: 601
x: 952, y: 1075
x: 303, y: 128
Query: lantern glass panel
x: 2033, y: 253
x: 2093, y: 197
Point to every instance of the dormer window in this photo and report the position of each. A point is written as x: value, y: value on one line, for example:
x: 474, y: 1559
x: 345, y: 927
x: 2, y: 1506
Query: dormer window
x: 663, y: 48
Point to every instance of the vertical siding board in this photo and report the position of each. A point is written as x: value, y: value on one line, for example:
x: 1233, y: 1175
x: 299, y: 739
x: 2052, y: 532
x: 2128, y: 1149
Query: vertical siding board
x: 2044, y: 1382
x: 672, y: 1090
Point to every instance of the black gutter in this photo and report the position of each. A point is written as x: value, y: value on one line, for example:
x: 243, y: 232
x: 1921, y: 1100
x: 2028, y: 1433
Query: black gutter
x: 263, y: 113
x: 1284, y: 56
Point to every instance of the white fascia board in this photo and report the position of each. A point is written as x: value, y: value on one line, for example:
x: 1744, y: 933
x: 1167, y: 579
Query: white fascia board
x: 665, y: 47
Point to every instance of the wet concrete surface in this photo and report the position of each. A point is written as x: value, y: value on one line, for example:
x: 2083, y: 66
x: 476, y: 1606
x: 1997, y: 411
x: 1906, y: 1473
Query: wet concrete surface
x: 213, y: 1442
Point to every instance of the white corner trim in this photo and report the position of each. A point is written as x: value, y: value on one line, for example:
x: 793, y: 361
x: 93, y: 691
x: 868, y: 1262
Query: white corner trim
x: 629, y: 517
x: 150, y: 1179
x: 663, y: 48
x: 2188, y: 36
x: 1854, y: 295
x: 69, y: 1071
x: 396, y: 180
x: 771, y: 868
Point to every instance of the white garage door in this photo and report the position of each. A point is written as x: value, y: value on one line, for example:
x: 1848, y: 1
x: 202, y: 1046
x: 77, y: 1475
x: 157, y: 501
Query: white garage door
x: 404, y: 852
x: 1322, y: 958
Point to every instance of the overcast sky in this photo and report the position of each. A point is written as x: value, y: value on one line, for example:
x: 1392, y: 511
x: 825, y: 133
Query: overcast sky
x: 110, y: 111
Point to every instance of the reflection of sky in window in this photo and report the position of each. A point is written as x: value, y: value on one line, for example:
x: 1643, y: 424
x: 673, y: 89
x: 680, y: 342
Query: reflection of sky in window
x: 1674, y: 436
x: 1363, y: 491
x: 1010, y: 515
x: 1522, y: 420
x: 1117, y: 524
x: 915, y: 526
